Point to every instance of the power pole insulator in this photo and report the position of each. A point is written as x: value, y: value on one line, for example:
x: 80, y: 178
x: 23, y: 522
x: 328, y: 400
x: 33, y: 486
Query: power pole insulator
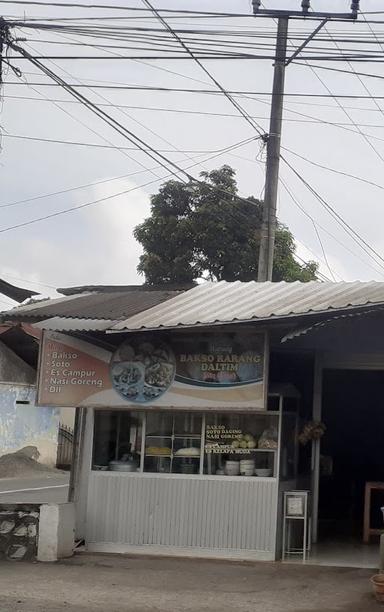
x: 256, y: 5
x: 355, y: 7
x: 306, y: 5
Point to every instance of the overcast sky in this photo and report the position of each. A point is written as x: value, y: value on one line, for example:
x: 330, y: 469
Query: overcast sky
x: 95, y: 245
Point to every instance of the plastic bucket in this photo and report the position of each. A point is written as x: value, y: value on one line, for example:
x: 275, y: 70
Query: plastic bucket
x: 377, y: 582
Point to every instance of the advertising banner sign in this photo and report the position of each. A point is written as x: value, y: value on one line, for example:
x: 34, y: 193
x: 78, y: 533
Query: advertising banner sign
x: 198, y: 371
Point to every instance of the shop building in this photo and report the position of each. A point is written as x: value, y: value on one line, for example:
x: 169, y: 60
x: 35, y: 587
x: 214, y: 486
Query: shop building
x: 190, y: 415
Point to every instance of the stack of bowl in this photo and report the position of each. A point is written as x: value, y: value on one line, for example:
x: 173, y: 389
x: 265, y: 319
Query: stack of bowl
x: 247, y: 467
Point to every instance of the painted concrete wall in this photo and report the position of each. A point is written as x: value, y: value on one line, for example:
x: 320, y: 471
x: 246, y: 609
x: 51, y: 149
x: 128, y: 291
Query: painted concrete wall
x: 24, y: 424
x: 67, y: 417
x: 21, y: 422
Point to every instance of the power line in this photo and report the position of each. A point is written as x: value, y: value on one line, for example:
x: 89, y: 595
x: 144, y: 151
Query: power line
x: 107, y: 198
x: 329, y: 169
x: 319, y: 274
x: 114, y: 147
x: 158, y: 150
x: 197, y: 91
x: 198, y: 113
x: 367, y: 58
x: 120, y: 8
x: 118, y: 127
x: 62, y: 191
x: 234, y: 103
x: 141, y: 144
x: 110, y: 143
x: 283, y: 182
x: 302, y: 209
x: 368, y: 141
x: 174, y: 148
x: 371, y: 252
x: 113, y: 123
x: 73, y: 208
x: 130, y: 8
x: 310, y: 118
x: 218, y: 52
x: 340, y: 70
x: 325, y: 258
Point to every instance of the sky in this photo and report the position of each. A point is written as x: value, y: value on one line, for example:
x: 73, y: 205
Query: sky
x: 95, y: 245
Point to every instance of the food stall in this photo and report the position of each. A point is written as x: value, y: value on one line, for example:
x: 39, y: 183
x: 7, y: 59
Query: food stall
x: 182, y: 446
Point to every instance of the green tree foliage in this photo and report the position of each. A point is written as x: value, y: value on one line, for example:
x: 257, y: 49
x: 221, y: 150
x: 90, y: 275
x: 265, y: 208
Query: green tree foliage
x: 201, y: 230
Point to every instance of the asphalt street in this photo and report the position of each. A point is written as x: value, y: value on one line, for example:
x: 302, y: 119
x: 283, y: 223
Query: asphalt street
x: 42, y: 489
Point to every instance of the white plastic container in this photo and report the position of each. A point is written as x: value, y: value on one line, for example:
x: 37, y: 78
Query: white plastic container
x: 232, y: 468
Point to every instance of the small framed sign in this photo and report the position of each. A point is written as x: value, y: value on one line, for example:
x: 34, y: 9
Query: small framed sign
x: 296, y: 508
x: 296, y: 504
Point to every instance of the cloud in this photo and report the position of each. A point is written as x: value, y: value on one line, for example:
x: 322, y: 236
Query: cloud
x: 92, y: 246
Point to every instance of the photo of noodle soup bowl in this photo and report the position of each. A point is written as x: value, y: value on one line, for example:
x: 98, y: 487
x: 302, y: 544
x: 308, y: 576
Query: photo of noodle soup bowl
x: 142, y: 371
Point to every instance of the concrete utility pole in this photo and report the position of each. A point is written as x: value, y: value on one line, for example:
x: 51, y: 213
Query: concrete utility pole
x: 268, y: 229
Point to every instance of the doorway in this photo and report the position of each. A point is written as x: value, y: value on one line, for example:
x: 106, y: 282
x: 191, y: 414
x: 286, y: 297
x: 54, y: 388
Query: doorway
x: 352, y: 453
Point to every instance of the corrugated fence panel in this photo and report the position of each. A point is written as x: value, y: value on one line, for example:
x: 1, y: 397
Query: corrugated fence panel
x: 183, y: 512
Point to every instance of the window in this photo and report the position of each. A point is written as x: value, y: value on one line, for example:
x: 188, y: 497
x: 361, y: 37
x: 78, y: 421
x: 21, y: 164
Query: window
x: 117, y: 440
x: 186, y: 443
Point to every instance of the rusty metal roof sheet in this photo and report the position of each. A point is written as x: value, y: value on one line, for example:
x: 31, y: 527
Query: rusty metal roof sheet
x: 227, y: 302
x: 101, y: 305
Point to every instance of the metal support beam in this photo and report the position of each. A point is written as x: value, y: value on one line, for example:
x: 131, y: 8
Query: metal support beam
x: 305, y: 5
x: 312, y: 15
x: 310, y: 37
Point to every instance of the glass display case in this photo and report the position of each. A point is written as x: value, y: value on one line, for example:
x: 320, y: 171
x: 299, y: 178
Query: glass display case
x: 173, y: 443
x: 241, y: 444
x: 210, y: 443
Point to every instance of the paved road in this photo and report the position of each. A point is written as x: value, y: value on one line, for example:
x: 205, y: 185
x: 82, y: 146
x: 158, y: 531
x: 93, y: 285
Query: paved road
x: 100, y: 583
x: 50, y: 488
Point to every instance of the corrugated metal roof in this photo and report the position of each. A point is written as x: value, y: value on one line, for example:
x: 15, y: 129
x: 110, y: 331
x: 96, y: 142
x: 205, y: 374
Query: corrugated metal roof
x: 226, y: 302
x: 319, y: 325
x: 112, y: 306
x: 73, y: 324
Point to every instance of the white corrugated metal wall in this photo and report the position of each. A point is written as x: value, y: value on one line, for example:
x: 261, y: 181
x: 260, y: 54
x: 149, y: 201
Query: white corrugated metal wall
x: 179, y: 511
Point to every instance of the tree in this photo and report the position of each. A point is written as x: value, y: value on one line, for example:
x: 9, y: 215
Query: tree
x: 203, y: 230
